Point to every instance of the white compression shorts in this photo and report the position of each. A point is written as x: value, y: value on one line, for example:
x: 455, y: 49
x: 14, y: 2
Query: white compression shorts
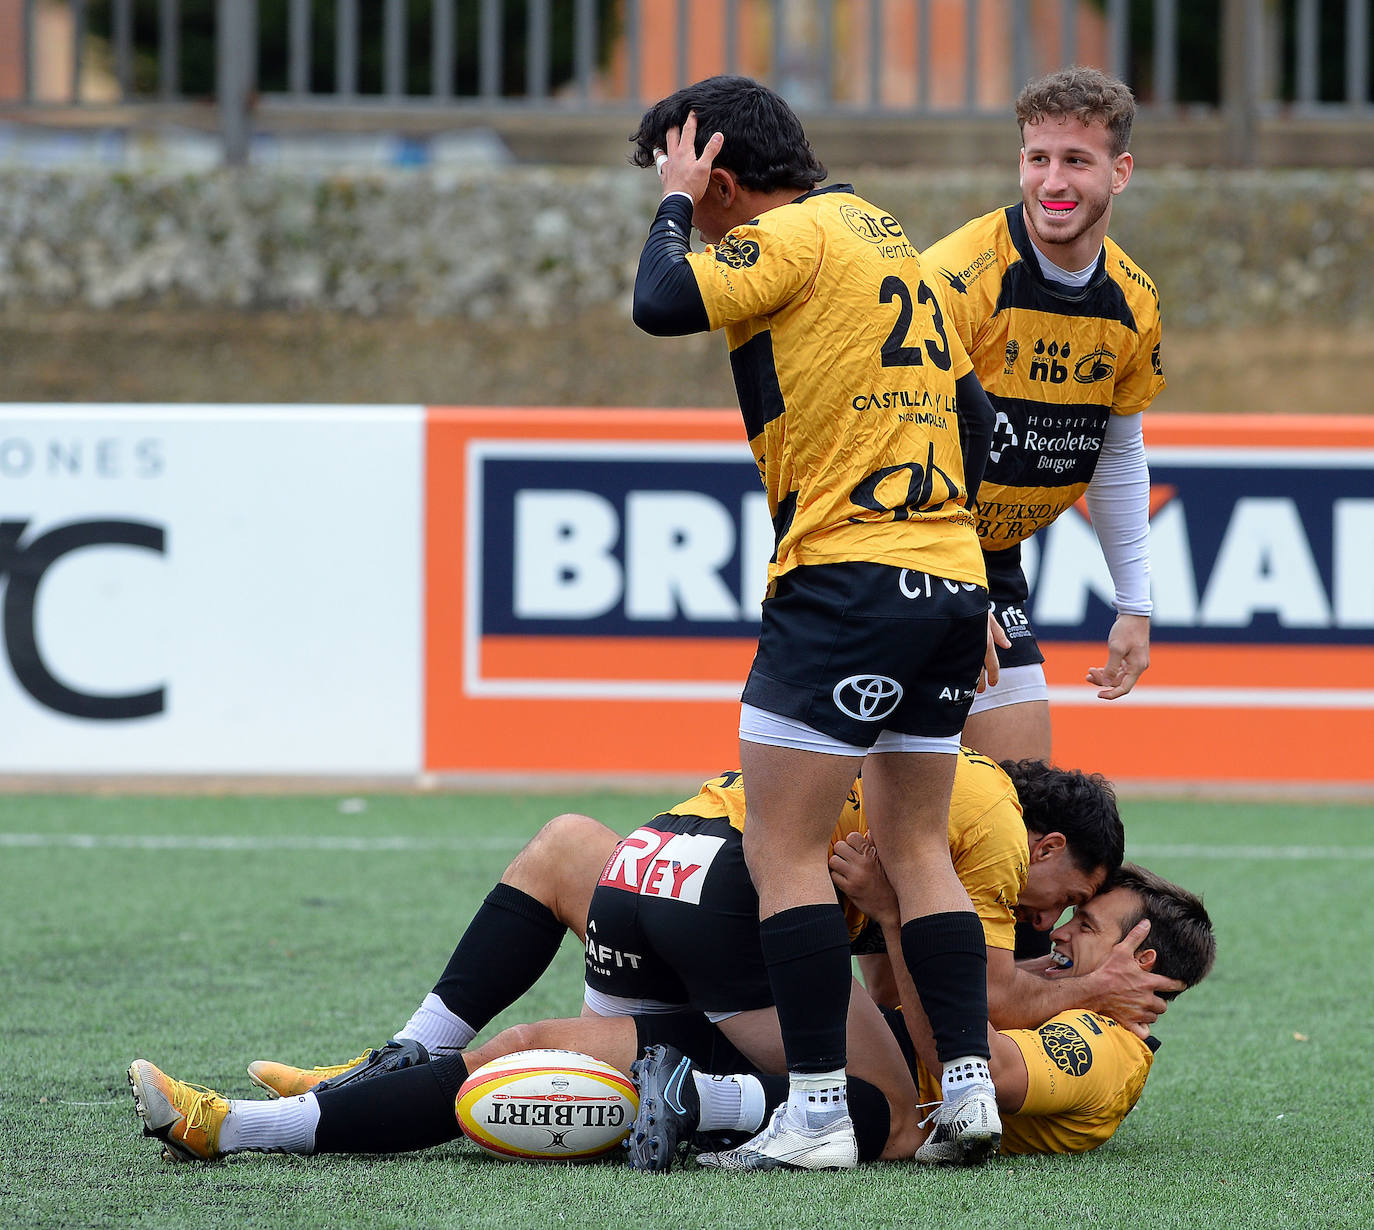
x: 1016, y: 686
x: 759, y: 726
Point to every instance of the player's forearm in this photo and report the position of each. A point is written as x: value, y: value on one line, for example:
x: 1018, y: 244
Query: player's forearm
x: 1026, y: 1000
x: 667, y: 300
x: 976, y: 420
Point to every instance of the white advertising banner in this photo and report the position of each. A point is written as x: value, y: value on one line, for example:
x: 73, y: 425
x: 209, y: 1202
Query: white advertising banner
x: 211, y: 589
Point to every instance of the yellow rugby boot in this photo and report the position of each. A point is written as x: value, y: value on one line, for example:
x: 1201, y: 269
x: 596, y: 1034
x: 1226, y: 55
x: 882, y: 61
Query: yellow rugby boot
x: 287, y: 1082
x: 186, y: 1118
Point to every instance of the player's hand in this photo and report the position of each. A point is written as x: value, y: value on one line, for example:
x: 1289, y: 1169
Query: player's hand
x: 1128, y: 656
x: 1124, y: 991
x: 997, y: 639
x: 857, y: 873
x: 679, y: 168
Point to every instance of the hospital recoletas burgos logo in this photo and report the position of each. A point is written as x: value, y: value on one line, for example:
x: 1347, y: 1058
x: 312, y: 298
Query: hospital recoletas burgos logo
x: 868, y: 698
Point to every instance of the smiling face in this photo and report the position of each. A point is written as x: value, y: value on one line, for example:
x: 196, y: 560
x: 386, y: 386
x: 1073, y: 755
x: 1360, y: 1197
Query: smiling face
x: 1095, y: 928
x: 1068, y: 178
x: 1054, y: 882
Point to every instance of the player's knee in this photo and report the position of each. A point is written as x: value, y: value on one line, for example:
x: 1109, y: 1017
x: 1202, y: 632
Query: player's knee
x: 563, y: 843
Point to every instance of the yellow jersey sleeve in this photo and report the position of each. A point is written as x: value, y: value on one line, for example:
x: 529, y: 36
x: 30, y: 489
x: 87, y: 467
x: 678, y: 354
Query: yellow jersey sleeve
x: 758, y: 267
x: 988, y: 844
x: 1085, y: 1072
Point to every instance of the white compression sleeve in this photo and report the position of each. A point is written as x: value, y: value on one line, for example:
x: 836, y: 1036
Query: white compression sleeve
x: 1119, y: 504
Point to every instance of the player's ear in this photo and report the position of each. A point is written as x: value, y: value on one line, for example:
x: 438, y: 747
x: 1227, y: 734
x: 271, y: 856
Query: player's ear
x: 723, y: 186
x: 1048, y: 846
x: 1122, y: 165
x: 1145, y: 957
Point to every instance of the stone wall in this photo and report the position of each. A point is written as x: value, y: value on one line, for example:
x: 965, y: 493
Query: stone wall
x: 1225, y: 248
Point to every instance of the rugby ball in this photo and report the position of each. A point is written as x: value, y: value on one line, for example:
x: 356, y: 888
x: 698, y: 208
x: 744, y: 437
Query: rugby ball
x: 547, y: 1106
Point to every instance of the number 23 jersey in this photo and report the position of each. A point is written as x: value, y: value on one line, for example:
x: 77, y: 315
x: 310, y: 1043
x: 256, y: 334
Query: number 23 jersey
x: 845, y: 373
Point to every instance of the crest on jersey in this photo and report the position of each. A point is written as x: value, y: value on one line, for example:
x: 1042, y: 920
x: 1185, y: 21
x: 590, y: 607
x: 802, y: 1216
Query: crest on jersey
x: 738, y: 253
x: 1013, y: 352
x: 1067, y: 1047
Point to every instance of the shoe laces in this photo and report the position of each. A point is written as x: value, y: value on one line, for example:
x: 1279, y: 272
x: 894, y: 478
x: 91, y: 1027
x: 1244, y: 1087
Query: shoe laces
x: 199, y: 1110
x: 933, y: 1108
x: 338, y: 1069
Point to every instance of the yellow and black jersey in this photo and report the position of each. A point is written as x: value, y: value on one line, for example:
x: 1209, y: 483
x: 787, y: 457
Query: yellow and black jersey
x: 987, y: 837
x: 845, y: 372
x: 1085, y: 1074
x: 1055, y: 363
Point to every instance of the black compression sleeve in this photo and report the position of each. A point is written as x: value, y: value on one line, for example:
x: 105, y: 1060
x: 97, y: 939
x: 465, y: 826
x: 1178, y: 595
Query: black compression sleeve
x: 667, y: 300
x: 976, y: 420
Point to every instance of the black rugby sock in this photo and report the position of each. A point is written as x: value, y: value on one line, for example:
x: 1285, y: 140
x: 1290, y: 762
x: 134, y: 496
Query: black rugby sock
x: 396, y: 1112
x: 507, y: 947
x: 806, y: 950
x: 947, y: 955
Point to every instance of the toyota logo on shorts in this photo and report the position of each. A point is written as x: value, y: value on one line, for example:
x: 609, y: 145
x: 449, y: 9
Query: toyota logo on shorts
x: 870, y: 698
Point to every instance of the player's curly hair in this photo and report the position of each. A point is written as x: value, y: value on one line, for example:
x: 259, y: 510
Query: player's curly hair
x: 765, y: 146
x: 1180, y: 929
x: 1085, y: 94
x: 1080, y: 805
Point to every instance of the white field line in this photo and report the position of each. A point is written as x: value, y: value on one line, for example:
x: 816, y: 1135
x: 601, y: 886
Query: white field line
x: 232, y: 844
x: 417, y: 845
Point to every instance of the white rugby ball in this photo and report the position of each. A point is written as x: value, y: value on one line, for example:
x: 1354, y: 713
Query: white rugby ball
x: 547, y: 1106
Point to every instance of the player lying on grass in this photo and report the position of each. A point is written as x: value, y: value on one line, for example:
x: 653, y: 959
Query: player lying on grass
x: 548, y: 888
x: 1063, y: 1087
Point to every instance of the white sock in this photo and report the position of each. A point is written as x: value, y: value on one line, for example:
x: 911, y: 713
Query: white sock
x: 286, y: 1125
x: 730, y: 1103
x: 437, y: 1029
x: 961, y: 1075
x: 816, y: 1099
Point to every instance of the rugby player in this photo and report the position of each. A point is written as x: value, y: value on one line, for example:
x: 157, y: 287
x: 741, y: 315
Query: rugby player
x: 1063, y: 1087
x: 870, y: 433
x: 550, y: 885
x: 1064, y: 332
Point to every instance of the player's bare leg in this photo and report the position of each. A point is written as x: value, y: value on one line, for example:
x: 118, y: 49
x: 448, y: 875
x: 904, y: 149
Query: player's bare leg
x: 1012, y: 732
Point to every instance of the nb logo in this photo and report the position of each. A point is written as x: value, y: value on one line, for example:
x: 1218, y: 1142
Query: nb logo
x: 869, y: 698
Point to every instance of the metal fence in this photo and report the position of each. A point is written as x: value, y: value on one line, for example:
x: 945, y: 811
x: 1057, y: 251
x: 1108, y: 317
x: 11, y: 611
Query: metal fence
x: 860, y: 57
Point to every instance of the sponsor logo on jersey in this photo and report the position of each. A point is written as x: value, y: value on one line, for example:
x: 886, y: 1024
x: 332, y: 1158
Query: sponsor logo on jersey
x: 867, y: 698
x: 1046, y: 365
x: 738, y: 253
x: 1139, y: 279
x: 955, y: 281
x: 961, y: 279
x: 1154, y: 361
x: 881, y: 230
x: 1067, y: 1048
x: 1095, y: 366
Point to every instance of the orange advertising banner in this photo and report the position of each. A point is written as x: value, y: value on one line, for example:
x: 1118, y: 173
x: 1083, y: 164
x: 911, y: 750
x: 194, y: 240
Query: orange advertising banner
x: 593, y: 580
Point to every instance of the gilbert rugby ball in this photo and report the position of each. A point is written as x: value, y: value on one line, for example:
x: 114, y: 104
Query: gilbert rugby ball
x: 547, y: 1106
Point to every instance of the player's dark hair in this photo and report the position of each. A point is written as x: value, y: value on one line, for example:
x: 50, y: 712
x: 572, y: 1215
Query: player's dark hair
x: 765, y: 146
x: 1080, y: 805
x: 1085, y: 94
x: 1180, y: 930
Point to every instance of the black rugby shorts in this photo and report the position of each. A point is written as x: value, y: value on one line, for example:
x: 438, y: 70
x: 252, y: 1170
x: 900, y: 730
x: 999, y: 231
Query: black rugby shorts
x: 1009, y: 591
x: 854, y: 649
x: 675, y: 918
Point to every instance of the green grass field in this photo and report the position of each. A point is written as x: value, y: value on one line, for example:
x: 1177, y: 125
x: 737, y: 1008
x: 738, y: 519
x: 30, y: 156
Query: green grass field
x: 202, y: 933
